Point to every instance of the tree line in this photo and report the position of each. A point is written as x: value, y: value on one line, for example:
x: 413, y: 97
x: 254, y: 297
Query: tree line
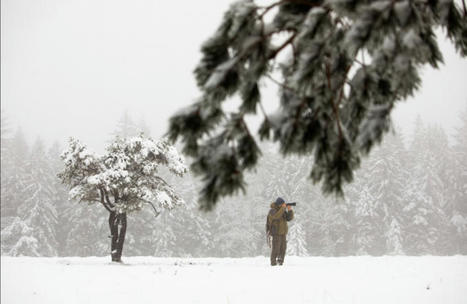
x: 409, y: 197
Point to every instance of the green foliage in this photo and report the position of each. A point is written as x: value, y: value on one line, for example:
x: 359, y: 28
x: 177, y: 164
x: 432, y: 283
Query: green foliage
x: 346, y: 64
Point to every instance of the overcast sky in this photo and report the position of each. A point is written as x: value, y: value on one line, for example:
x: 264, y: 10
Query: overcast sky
x: 72, y: 67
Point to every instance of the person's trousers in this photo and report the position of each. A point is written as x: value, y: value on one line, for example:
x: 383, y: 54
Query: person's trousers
x: 279, y: 246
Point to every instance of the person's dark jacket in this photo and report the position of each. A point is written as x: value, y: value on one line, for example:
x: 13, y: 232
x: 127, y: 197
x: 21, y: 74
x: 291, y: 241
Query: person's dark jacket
x: 277, y: 220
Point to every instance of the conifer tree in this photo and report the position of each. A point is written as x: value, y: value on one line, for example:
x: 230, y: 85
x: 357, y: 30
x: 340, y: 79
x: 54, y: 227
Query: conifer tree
x: 287, y: 178
x: 85, y: 230
x: 192, y: 229
x: 296, y: 244
x: 143, y: 127
x: 340, y: 66
x: 17, y: 238
x: 14, y: 174
x: 387, y: 176
x: 5, y: 133
x: 126, y: 127
x: 165, y: 238
x: 38, y: 210
x: 5, y: 159
x: 59, y: 198
x: 232, y: 237
x: 36, y: 220
x: 441, y: 186
x: 16, y: 234
x: 330, y: 227
x: 367, y: 232
x: 423, y: 192
x: 142, y: 233
x: 394, y: 238
x: 457, y: 209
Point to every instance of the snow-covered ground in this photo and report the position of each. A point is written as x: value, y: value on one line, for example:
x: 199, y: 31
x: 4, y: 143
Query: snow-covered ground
x: 248, y: 280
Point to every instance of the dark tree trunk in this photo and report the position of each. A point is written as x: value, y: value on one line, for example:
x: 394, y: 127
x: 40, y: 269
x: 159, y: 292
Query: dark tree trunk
x: 121, y: 234
x: 117, y: 224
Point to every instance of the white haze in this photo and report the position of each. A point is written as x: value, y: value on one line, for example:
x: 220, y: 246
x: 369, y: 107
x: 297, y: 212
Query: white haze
x: 71, y: 68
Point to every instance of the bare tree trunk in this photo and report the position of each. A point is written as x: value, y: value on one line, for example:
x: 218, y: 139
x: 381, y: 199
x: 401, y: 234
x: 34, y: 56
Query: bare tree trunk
x: 121, y: 235
x: 117, y: 225
x: 113, y: 234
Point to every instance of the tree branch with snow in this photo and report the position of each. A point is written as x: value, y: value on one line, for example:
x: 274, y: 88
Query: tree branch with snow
x: 331, y: 106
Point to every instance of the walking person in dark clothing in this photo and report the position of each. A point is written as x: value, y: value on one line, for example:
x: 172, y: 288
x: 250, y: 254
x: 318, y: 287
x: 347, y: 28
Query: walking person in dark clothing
x: 277, y: 228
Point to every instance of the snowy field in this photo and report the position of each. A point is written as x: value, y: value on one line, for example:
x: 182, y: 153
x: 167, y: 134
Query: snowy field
x: 248, y: 280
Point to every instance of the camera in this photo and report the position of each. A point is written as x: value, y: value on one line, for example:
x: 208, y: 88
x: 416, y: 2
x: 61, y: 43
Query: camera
x: 291, y: 204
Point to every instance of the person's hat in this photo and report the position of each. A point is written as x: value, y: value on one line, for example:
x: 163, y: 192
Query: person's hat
x: 279, y: 201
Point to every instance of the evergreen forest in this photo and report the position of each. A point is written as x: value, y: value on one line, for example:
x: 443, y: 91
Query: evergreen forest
x: 408, y: 198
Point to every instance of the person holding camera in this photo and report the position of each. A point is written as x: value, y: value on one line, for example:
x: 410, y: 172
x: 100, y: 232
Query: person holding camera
x: 277, y: 228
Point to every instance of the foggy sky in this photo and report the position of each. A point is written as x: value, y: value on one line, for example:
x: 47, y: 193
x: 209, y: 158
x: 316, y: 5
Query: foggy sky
x: 72, y: 67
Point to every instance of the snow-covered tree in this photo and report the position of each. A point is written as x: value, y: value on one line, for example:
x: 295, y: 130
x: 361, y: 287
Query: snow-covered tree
x: 16, y: 234
x: 441, y: 187
x: 232, y: 236
x: 165, y: 240
x: 5, y: 132
x: 83, y: 230
x: 191, y: 227
x: 387, y: 175
x: 394, y: 238
x: 341, y: 66
x: 5, y: 157
x: 425, y: 191
x: 38, y: 209
x: 35, y: 217
x: 185, y: 231
x: 367, y: 228
x: 286, y: 177
x: 329, y: 229
x: 457, y: 209
x: 17, y: 238
x: 143, y: 127
x: 59, y: 198
x: 126, y: 127
x: 14, y: 172
x: 296, y: 244
x: 123, y: 180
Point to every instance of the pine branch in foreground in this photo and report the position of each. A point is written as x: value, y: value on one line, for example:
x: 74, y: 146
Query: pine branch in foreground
x: 341, y: 66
